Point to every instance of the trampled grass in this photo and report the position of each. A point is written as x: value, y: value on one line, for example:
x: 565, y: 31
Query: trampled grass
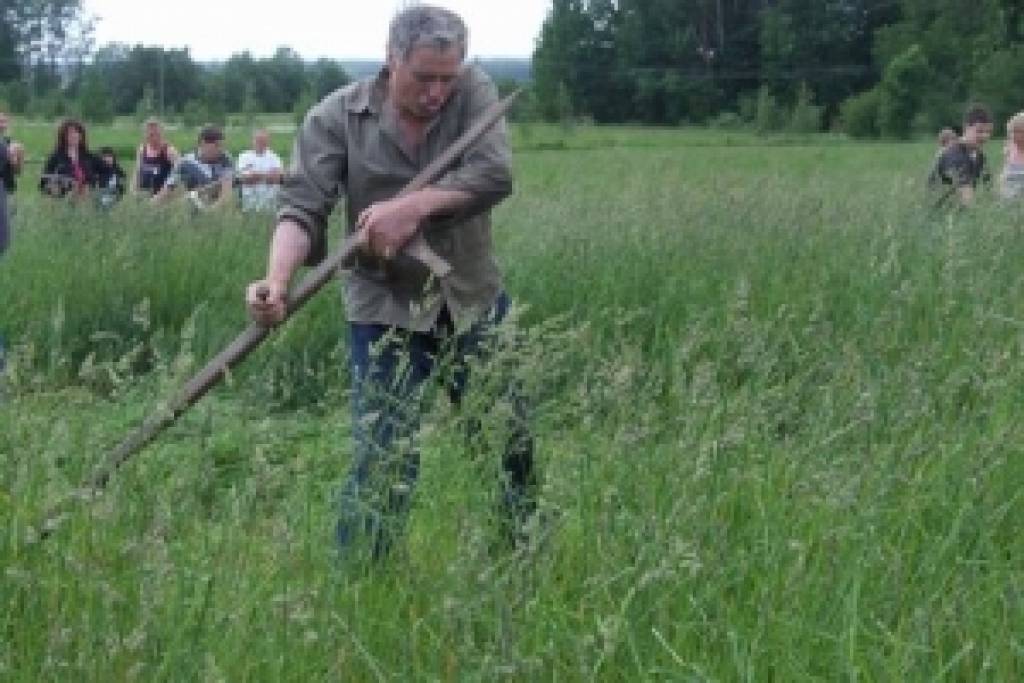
x: 777, y: 408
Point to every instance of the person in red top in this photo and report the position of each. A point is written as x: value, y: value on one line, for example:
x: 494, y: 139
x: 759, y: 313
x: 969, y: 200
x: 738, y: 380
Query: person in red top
x: 71, y: 168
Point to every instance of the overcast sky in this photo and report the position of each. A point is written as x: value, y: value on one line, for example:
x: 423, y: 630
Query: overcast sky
x: 216, y: 29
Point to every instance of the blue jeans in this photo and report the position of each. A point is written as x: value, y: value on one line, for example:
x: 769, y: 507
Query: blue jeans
x: 390, y: 368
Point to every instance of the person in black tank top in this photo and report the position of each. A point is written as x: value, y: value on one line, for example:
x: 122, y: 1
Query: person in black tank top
x: 154, y: 160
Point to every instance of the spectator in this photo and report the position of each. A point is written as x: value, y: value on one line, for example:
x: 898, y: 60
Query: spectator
x: 110, y: 178
x: 205, y: 174
x: 1011, y: 179
x: 11, y: 157
x: 71, y: 168
x: 6, y: 168
x: 961, y: 167
x: 259, y: 174
x: 16, y: 156
x: 154, y: 160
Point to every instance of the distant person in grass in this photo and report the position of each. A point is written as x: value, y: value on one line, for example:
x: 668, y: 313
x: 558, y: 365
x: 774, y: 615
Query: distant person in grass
x: 205, y: 175
x: 111, y: 179
x: 7, y: 167
x: 259, y: 173
x: 961, y: 167
x: 70, y: 169
x: 15, y: 154
x: 154, y: 160
x: 1011, y: 178
x: 363, y: 143
x: 12, y: 157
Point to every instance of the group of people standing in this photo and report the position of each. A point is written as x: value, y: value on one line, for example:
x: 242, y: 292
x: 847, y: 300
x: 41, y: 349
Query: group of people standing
x: 207, y: 176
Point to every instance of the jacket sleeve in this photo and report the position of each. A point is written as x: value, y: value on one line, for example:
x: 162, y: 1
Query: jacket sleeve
x: 49, y: 168
x: 485, y: 169
x: 317, y: 176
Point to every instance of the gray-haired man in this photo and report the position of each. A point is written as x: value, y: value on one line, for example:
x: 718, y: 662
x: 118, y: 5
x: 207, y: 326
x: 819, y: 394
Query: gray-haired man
x: 366, y: 141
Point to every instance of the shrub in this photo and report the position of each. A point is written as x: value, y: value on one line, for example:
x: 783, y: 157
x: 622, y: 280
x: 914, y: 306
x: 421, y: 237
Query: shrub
x: 771, y: 116
x: 904, y: 84
x: 806, y: 116
x: 727, y: 120
x: 860, y: 114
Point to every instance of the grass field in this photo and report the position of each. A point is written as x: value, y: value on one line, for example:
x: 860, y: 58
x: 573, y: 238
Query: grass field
x: 777, y: 402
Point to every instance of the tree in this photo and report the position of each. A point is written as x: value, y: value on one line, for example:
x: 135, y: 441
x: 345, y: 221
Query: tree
x: 129, y: 72
x: 95, y: 104
x: 326, y: 76
x: 901, y: 91
x: 42, y: 32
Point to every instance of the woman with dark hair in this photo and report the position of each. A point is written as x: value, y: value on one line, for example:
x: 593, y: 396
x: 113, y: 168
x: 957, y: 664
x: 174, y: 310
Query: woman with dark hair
x: 71, y: 168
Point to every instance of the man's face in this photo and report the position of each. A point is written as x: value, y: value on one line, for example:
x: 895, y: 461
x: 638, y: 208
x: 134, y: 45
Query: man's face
x: 209, y: 150
x: 978, y: 133
x: 420, y: 85
x: 260, y: 141
x: 153, y: 133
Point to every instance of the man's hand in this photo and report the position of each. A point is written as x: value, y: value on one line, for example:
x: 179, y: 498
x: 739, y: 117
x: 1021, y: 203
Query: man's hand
x: 266, y: 301
x: 386, y: 226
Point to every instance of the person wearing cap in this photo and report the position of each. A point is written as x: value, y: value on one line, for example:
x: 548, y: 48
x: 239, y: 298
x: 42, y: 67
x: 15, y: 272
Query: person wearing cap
x: 206, y: 174
x: 364, y: 143
x: 154, y: 160
x: 259, y: 174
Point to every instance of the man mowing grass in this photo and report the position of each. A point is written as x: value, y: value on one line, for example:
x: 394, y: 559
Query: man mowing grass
x: 365, y: 142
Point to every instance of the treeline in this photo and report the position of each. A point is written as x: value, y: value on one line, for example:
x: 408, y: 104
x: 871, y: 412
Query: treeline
x: 49, y: 68
x: 872, y: 67
x: 121, y: 79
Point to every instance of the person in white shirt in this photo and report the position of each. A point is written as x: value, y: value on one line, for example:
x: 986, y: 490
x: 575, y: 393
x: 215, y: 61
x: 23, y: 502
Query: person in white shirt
x: 259, y: 174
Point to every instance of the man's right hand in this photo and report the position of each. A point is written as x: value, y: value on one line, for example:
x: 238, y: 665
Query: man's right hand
x: 266, y: 301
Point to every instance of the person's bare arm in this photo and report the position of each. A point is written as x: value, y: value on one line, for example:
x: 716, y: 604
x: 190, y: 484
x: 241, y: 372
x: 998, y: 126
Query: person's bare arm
x: 966, y: 195
x: 16, y: 156
x: 266, y: 298
x: 224, y: 198
x: 388, y: 225
x: 163, y: 195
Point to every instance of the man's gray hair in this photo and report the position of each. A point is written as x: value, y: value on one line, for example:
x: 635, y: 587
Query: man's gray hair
x: 426, y: 25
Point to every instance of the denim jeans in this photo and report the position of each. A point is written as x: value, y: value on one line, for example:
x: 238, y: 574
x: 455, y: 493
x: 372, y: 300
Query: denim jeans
x: 390, y: 368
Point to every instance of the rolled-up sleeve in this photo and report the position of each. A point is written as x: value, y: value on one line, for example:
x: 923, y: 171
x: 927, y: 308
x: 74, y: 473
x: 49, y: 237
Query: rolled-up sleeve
x: 485, y: 169
x: 314, y: 183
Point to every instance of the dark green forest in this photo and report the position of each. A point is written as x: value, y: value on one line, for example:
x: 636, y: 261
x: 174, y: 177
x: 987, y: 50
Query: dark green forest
x: 891, y: 68
x: 872, y: 67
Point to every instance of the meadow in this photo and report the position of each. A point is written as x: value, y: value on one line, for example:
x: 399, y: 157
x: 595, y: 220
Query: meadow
x: 777, y: 400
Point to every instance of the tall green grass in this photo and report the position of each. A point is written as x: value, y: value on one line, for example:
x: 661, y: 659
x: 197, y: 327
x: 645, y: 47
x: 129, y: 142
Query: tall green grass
x: 777, y: 407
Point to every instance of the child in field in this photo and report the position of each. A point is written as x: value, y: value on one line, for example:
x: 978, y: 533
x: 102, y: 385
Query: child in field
x: 110, y: 178
x: 1011, y: 179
